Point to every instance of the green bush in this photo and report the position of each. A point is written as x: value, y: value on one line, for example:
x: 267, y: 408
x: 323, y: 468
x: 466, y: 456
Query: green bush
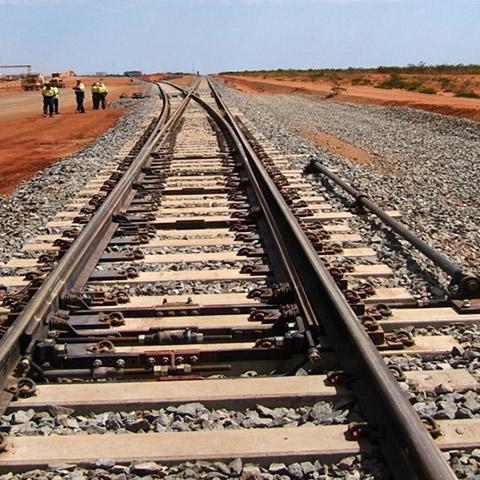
x: 361, y: 81
x: 394, y: 81
x: 429, y: 90
x: 445, y: 82
x: 357, y: 81
x: 314, y: 76
x: 412, y: 86
x: 467, y: 94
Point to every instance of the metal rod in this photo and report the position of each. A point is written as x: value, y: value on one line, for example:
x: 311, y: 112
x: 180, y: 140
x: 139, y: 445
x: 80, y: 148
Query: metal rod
x: 469, y: 284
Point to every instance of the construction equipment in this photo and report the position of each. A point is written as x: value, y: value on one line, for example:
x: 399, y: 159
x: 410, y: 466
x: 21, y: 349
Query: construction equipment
x: 57, y: 80
x: 32, y: 81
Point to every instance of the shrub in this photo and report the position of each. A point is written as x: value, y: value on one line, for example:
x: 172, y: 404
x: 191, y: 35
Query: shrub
x: 361, y: 81
x: 429, y: 90
x: 467, y: 94
x: 445, y: 82
x: 412, y: 86
x: 314, y: 76
x: 394, y: 81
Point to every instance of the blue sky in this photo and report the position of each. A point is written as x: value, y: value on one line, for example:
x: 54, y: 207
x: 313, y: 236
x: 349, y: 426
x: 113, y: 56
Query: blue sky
x: 217, y: 35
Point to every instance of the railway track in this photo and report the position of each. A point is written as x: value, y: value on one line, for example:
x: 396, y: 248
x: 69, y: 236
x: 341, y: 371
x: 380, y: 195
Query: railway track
x: 207, y: 273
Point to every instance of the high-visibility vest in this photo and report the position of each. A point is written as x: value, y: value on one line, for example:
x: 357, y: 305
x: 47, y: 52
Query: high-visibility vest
x: 79, y: 88
x: 95, y: 89
x: 48, y: 92
x: 56, y: 92
x: 103, y: 88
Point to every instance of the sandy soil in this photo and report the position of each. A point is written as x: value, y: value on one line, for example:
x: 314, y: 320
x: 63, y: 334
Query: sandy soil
x: 29, y: 142
x: 339, y: 147
x: 185, y: 80
x: 444, y: 103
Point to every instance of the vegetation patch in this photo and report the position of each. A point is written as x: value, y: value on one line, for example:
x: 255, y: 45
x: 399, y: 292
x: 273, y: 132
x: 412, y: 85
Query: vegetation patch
x: 361, y: 81
x: 395, y: 81
x: 420, y: 68
x: 467, y: 94
x: 429, y: 90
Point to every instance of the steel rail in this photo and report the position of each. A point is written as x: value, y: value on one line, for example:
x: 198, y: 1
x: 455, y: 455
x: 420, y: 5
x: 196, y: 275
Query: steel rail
x: 468, y: 284
x: 281, y: 262
x: 406, y: 445
x: 27, y: 325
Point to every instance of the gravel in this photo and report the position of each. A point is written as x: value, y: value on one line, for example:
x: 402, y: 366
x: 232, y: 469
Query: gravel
x: 24, y: 213
x: 366, y: 467
x: 178, y: 266
x: 429, y: 171
x: 466, y: 356
x: 181, y: 288
x: 182, y: 418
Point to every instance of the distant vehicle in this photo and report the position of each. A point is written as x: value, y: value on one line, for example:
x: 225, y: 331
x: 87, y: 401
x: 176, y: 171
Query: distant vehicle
x: 132, y: 73
x: 57, y: 80
x: 32, y: 81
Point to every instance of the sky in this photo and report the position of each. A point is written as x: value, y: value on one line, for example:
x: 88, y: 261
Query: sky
x: 219, y: 35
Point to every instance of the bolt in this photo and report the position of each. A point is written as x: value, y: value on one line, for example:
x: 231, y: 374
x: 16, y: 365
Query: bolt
x: 120, y: 363
x: 194, y: 359
x: 97, y: 363
x: 24, y: 364
x: 179, y: 360
x: 151, y: 361
x: 164, y: 360
x: 314, y: 355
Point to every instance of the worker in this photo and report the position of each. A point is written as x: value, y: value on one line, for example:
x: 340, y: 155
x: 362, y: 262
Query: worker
x: 56, y: 100
x: 103, y: 93
x: 48, y: 93
x: 95, y: 95
x: 79, y: 90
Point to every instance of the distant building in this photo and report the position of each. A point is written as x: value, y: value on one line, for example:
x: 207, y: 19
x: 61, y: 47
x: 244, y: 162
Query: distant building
x: 100, y: 74
x: 132, y: 73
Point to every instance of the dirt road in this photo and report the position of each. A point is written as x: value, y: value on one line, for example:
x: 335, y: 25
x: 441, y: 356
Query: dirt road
x: 29, y: 142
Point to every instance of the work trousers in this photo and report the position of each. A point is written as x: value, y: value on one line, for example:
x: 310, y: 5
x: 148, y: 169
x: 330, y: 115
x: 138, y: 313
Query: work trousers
x: 48, y: 106
x: 55, y: 105
x: 96, y: 100
x: 103, y: 100
x: 80, y: 97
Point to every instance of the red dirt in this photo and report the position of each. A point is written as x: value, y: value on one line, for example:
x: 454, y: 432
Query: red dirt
x: 185, y: 80
x: 444, y: 103
x: 29, y: 142
x: 339, y: 147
